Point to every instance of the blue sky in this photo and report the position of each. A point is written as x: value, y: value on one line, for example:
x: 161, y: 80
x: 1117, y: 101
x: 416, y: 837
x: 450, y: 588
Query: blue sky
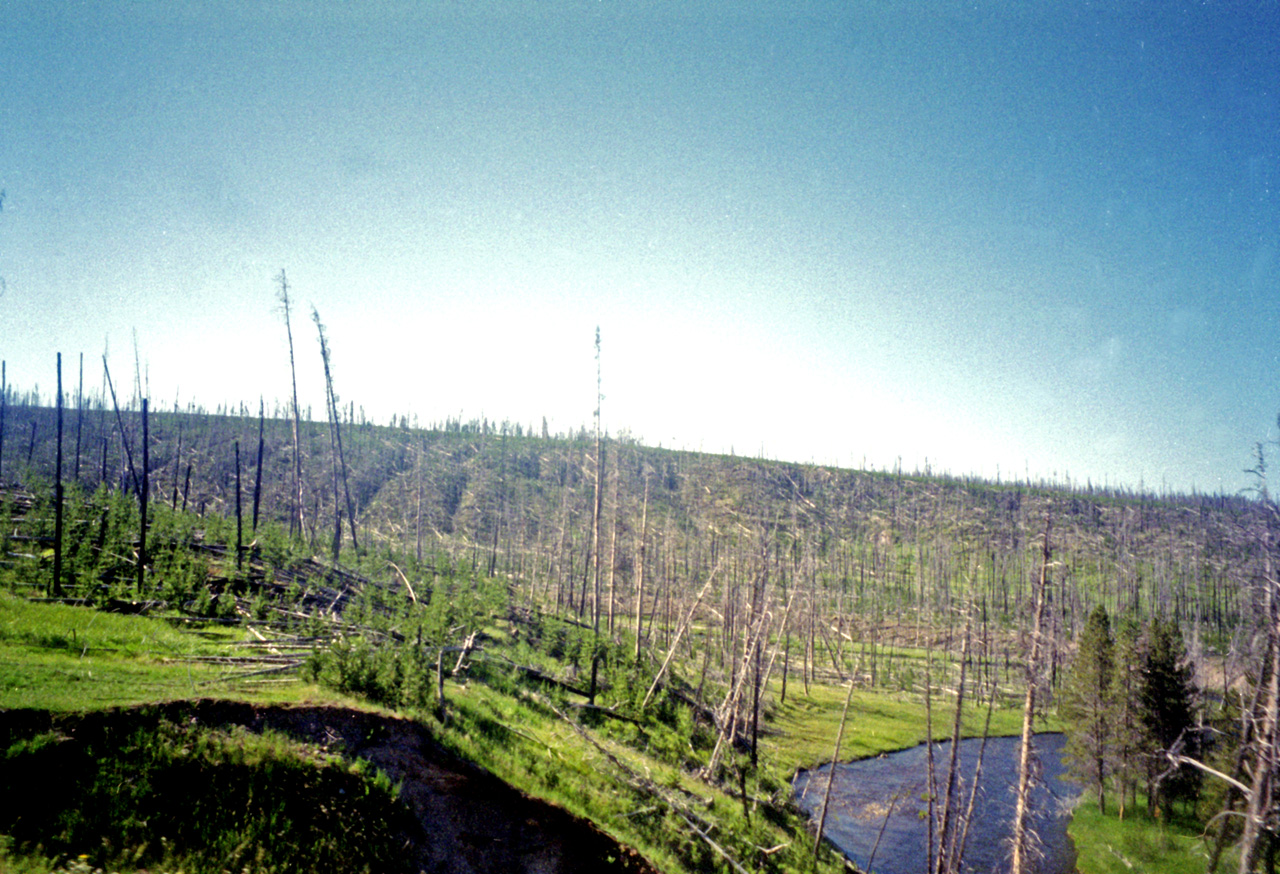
x: 999, y: 238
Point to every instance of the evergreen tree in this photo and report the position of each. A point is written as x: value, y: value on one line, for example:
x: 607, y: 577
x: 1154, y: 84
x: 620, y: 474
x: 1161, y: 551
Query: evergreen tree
x: 1127, y: 729
x: 1087, y: 705
x: 1167, y: 696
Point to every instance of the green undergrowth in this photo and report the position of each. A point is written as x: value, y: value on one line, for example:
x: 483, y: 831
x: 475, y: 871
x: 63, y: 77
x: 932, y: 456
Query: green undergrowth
x: 74, y: 658
x: 633, y: 780
x: 196, y: 799
x: 543, y: 702
x: 1139, y: 842
x: 806, y: 725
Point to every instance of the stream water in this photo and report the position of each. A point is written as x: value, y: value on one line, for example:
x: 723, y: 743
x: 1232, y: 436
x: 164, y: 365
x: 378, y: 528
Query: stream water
x: 877, y: 806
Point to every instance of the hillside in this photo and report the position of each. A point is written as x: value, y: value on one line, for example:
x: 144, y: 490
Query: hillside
x: 500, y: 499
x: 657, y: 654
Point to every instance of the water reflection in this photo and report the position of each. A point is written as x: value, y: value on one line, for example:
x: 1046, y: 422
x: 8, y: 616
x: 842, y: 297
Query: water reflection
x: 878, y: 805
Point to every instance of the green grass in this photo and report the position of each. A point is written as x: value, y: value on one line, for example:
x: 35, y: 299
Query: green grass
x: 1107, y: 845
x: 879, y: 721
x: 521, y: 738
x: 68, y: 658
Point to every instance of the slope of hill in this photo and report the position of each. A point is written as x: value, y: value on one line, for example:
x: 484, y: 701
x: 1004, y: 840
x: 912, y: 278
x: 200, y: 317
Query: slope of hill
x: 615, y: 629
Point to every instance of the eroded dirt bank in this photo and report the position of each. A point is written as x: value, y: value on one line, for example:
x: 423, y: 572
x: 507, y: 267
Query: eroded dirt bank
x: 469, y: 821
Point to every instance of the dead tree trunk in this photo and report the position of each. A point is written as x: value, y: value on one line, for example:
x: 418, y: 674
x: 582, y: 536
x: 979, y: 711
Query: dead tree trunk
x: 599, y: 497
x: 295, y: 519
x: 142, y: 500
x: 4, y: 402
x: 239, y: 517
x: 946, y: 862
x: 831, y: 774
x: 640, y: 553
x: 613, y: 542
x: 339, y: 460
x: 257, y: 476
x: 79, y: 419
x: 124, y: 436
x: 177, y: 458
x: 57, y: 497
x: 1023, y: 839
x: 418, y: 513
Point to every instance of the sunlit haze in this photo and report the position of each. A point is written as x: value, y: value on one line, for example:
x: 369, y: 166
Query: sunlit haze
x: 996, y: 238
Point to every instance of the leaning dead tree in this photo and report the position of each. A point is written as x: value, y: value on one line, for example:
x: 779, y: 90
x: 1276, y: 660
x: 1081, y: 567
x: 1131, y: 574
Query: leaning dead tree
x: 831, y: 768
x: 335, y: 437
x: 124, y: 435
x: 1251, y: 784
x: 1023, y: 837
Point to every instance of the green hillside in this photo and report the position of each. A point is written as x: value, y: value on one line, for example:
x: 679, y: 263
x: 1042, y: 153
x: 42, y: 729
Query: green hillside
x: 652, y: 640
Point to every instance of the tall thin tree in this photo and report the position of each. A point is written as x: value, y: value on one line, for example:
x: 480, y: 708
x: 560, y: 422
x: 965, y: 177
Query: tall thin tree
x: 4, y: 402
x: 239, y: 516
x: 79, y: 417
x: 295, y: 518
x: 57, y: 497
x: 257, y: 474
x: 1023, y: 838
x: 599, y: 497
x: 142, y: 498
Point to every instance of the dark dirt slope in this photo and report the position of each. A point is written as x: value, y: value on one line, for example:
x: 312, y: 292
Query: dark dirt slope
x: 470, y: 821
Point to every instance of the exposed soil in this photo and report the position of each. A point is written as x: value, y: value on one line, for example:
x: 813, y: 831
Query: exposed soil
x: 470, y: 821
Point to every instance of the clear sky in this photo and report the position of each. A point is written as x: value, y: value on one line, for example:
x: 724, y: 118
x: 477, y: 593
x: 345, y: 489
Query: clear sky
x: 996, y: 237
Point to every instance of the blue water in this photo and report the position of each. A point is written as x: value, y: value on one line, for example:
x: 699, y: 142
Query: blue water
x: 864, y: 791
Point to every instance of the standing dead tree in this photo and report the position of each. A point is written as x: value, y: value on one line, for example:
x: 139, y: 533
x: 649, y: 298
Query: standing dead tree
x: 57, y: 497
x: 239, y: 516
x: 4, y: 402
x: 597, y: 504
x: 641, y: 545
x: 257, y: 476
x: 143, y: 489
x: 79, y: 418
x: 295, y: 518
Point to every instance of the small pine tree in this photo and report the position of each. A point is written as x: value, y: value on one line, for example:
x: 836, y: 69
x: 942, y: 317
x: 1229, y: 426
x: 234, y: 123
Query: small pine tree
x: 1087, y: 705
x: 1167, y: 697
x: 1127, y: 728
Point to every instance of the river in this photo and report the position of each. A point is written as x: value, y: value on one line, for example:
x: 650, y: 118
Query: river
x: 865, y: 791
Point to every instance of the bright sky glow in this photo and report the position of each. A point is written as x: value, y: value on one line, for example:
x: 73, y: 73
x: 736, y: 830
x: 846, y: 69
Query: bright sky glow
x: 1001, y: 237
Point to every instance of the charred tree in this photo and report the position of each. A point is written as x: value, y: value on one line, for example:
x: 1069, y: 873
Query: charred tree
x: 257, y: 474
